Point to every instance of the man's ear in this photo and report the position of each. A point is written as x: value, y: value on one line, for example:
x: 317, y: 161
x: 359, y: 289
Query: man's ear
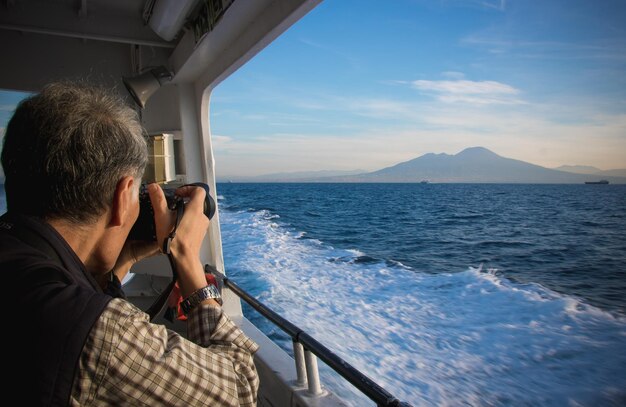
x: 122, y: 200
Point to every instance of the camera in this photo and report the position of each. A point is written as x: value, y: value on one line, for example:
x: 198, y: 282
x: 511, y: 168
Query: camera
x: 144, y: 228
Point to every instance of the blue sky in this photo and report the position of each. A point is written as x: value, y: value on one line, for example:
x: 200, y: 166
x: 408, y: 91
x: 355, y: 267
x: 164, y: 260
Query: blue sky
x: 8, y: 101
x: 366, y: 84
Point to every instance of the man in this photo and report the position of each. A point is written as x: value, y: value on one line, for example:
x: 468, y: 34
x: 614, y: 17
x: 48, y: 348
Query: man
x: 73, y: 158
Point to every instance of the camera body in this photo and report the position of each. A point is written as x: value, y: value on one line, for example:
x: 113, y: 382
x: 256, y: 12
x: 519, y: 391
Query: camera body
x: 144, y: 228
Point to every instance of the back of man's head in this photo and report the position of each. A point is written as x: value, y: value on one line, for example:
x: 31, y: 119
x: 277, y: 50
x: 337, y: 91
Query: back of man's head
x: 65, y: 150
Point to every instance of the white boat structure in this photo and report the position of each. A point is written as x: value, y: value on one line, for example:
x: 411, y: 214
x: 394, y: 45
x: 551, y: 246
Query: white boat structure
x: 173, y: 54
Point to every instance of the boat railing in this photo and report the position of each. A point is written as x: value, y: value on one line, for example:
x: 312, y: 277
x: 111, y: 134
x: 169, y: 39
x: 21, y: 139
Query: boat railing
x: 306, y: 349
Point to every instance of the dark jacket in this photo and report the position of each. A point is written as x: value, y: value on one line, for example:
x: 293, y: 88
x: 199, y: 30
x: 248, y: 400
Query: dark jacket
x: 49, y: 305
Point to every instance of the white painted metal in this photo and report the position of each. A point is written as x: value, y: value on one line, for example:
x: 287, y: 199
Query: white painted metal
x: 298, y: 355
x: 245, y: 29
x: 278, y: 375
x: 168, y: 17
x: 312, y: 373
x: 85, y: 36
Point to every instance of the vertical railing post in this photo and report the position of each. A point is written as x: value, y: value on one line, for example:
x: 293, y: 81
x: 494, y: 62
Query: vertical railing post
x: 312, y: 373
x: 298, y: 353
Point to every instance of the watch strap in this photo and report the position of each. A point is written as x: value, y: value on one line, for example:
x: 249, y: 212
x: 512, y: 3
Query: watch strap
x: 210, y: 291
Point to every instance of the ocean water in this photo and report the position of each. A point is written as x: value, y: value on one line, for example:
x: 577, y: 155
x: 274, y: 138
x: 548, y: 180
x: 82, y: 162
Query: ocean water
x: 444, y: 294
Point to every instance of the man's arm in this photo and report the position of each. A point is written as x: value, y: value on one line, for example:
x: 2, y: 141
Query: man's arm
x: 128, y: 361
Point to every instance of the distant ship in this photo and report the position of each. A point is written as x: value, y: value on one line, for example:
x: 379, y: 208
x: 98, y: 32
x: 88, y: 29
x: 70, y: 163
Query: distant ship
x: 597, y: 182
x: 424, y: 181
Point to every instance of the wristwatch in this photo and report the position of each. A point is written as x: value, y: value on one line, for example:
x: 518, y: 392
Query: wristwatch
x: 210, y: 291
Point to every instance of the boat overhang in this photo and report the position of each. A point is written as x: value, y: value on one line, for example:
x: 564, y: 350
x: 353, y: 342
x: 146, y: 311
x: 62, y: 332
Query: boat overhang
x: 50, y: 40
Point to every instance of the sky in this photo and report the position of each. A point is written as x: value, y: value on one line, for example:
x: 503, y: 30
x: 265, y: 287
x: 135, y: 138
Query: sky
x: 8, y: 102
x: 365, y: 84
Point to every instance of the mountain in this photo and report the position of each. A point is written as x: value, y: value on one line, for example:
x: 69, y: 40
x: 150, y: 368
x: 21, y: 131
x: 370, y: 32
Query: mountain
x: 613, y: 173
x: 472, y: 165
x: 579, y: 169
x: 585, y: 169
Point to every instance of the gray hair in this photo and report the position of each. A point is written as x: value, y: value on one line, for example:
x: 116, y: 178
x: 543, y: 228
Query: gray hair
x: 65, y: 150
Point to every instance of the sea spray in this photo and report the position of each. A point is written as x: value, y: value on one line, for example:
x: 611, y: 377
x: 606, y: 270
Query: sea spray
x: 462, y: 336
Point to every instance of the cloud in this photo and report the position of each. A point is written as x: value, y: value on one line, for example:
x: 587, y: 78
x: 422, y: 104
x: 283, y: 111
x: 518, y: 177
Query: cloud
x: 466, y: 87
x: 499, y: 5
x: 382, y: 108
x: 602, y: 49
x: 217, y: 140
x: 472, y: 92
x: 332, y: 50
x: 519, y: 135
x: 7, y: 108
x: 494, y: 4
x: 377, y: 130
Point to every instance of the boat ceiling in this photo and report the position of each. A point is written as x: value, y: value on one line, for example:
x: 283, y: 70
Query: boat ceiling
x: 102, y: 40
x: 107, y: 20
x: 45, y: 40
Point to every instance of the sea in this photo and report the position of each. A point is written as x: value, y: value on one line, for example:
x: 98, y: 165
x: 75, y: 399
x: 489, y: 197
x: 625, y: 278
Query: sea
x: 444, y: 294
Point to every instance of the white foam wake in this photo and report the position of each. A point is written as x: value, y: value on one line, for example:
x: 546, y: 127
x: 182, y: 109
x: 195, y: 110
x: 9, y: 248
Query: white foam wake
x: 467, y: 337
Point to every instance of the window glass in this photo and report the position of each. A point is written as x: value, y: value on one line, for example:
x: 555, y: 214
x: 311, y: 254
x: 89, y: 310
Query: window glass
x: 8, y: 102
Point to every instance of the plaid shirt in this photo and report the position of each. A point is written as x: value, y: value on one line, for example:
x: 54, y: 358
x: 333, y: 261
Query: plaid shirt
x: 128, y: 361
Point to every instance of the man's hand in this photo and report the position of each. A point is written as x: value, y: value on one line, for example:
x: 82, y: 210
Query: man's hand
x: 185, y: 247
x: 132, y: 252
